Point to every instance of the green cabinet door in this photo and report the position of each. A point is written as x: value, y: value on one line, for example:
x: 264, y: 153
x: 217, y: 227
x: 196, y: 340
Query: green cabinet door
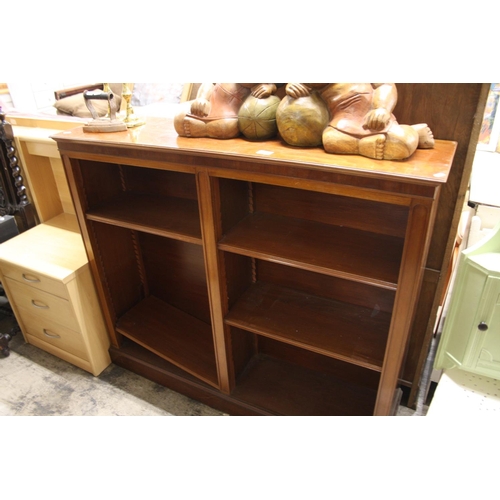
x: 471, y: 335
x: 484, y: 351
x: 459, y: 323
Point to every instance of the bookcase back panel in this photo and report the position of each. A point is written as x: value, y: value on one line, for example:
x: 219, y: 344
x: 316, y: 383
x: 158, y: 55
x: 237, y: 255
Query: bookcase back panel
x: 235, y: 202
x: 288, y: 381
x: 321, y: 285
x: 117, y: 261
x: 331, y: 209
x: 160, y: 182
x: 101, y: 181
x: 239, y: 274
x: 313, y: 361
x: 175, y: 273
x: 105, y: 181
x: 239, y: 198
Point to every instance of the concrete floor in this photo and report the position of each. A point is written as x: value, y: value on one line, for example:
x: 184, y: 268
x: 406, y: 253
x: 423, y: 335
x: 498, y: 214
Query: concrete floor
x: 36, y: 383
x: 33, y: 382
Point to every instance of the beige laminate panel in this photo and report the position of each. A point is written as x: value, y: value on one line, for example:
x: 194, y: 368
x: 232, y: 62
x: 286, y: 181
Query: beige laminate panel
x: 34, y: 279
x: 54, y: 249
x: 45, y: 305
x: 54, y: 333
x: 44, y: 171
x: 61, y: 353
x: 62, y: 185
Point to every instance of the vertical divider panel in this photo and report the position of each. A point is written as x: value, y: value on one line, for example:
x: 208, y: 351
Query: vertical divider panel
x: 76, y: 186
x: 409, y: 282
x: 211, y: 228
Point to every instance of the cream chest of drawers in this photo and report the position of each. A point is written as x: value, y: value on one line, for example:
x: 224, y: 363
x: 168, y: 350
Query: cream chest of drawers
x: 46, y: 275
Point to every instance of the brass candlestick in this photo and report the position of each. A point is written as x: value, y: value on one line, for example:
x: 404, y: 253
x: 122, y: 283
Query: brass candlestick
x: 130, y: 119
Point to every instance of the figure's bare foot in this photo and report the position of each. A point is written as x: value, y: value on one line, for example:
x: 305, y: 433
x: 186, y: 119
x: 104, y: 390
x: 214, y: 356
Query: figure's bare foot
x: 425, y: 136
x: 337, y: 142
x: 226, y: 128
x: 373, y: 146
x: 193, y: 127
x: 401, y: 142
x: 189, y: 127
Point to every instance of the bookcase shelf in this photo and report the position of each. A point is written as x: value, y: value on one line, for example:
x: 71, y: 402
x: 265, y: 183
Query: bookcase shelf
x: 339, y: 330
x: 289, y: 389
x: 173, y: 335
x: 170, y: 217
x: 337, y: 251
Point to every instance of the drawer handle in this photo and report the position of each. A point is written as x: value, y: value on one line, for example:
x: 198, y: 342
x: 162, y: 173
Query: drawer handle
x: 51, y: 335
x: 40, y: 305
x: 29, y: 279
x: 482, y: 326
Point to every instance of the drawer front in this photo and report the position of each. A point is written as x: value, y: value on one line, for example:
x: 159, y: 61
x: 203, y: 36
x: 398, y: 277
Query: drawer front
x: 36, y: 280
x: 45, y: 305
x: 84, y: 364
x: 54, y: 334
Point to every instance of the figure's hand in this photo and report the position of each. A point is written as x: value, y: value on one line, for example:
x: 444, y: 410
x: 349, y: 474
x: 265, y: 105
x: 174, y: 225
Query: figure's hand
x: 263, y: 90
x: 377, y: 119
x: 297, y: 90
x: 200, y: 107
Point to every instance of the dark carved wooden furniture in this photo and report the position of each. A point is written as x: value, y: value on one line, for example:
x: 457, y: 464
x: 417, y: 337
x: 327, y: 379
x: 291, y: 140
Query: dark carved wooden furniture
x: 5, y: 338
x: 13, y: 198
x: 13, y: 202
x: 255, y: 277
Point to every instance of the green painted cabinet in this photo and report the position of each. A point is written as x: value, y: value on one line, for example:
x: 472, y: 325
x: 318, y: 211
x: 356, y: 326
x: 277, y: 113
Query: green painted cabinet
x: 471, y: 334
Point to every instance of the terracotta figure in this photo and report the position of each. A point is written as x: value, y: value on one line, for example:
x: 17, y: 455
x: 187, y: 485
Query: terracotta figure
x: 361, y: 120
x: 214, y: 112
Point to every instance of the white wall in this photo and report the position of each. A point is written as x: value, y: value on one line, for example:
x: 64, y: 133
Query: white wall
x: 36, y: 97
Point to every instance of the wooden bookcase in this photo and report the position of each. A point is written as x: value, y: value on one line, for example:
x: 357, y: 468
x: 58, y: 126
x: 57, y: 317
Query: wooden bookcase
x: 255, y: 277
